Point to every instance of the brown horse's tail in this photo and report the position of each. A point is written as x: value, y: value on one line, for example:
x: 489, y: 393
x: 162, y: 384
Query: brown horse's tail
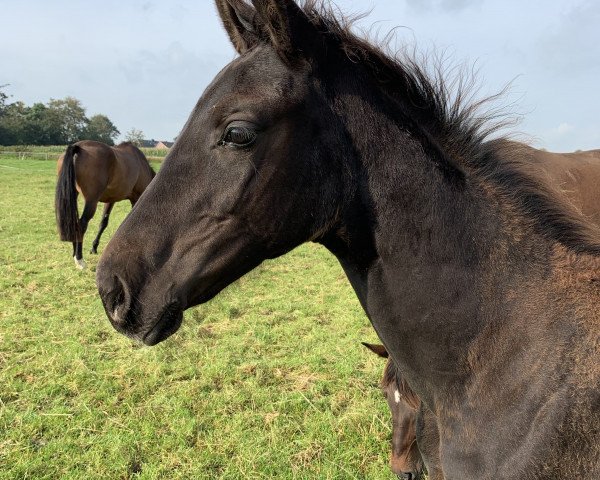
x: 65, y: 200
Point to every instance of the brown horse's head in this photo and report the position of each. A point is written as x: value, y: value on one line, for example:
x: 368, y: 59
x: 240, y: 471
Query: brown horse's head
x: 255, y: 172
x: 405, y: 459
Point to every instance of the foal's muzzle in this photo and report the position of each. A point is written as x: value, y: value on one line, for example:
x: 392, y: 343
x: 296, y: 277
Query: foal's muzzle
x: 410, y: 476
x: 133, y: 317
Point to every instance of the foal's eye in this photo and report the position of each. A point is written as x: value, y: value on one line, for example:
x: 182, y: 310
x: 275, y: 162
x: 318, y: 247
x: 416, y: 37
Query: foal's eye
x: 239, y: 134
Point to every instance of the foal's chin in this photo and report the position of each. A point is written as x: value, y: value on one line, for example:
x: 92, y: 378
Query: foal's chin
x: 167, y: 324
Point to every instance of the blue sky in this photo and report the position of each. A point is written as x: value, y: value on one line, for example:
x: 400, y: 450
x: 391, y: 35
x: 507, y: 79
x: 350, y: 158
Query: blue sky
x: 144, y: 63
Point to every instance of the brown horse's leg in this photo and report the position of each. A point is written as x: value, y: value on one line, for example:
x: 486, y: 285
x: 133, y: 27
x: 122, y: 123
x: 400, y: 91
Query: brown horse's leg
x: 103, y: 224
x: 88, y: 212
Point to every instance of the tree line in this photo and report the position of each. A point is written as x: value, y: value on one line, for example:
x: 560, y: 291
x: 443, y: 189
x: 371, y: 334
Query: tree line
x: 57, y: 122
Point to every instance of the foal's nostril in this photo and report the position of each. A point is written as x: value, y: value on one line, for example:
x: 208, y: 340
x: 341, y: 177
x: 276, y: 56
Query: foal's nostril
x: 117, y: 301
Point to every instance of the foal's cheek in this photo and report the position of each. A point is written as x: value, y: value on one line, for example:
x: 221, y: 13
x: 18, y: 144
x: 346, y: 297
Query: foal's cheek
x: 218, y: 185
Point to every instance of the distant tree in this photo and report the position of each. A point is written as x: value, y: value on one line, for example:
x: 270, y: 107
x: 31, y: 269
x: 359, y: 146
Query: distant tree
x: 13, y: 124
x: 56, y: 123
x: 135, y: 136
x: 71, y: 116
x: 101, y: 129
x: 3, y: 98
x: 43, y: 126
x: 5, y: 133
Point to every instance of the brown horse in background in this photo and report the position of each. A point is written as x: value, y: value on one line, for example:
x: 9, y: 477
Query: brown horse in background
x: 410, y: 419
x: 574, y: 175
x: 101, y: 173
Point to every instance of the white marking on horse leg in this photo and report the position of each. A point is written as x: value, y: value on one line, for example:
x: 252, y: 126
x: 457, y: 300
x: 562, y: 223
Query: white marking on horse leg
x: 80, y: 264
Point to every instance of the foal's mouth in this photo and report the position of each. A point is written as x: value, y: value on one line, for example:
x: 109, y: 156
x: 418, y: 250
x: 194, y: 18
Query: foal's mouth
x: 167, y: 324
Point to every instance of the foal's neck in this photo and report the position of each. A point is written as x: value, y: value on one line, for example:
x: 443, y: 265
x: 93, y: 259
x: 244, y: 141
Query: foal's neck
x: 423, y: 251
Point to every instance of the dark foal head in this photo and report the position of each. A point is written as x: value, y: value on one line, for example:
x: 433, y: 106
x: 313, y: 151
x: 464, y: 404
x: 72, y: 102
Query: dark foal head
x: 255, y: 172
x: 405, y: 459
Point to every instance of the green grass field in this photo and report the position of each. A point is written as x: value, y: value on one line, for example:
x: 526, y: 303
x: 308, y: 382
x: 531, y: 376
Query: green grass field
x: 268, y: 380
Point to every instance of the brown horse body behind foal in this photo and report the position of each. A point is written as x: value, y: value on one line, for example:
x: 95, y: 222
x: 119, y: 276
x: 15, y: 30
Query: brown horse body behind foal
x: 415, y: 436
x: 101, y: 173
x: 575, y: 175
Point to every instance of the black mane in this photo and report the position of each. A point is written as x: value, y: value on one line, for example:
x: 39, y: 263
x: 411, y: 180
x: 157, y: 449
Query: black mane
x: 444, y: 105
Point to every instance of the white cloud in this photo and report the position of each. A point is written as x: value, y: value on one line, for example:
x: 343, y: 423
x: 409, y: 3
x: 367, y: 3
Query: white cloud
x: 564, y: 137
x: 443, y: 5
x: 572, y: 44
x: 563, y: 129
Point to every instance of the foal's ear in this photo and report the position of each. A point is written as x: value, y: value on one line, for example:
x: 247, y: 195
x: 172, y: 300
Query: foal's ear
x: 288, y: 28
x: 239, y: 20
x: 377, y: 349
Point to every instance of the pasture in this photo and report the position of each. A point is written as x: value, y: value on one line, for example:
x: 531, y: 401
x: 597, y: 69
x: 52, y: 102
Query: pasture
x: 268, y: 380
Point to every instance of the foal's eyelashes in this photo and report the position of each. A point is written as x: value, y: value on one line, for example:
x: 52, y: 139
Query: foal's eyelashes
x: 239, y: 134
